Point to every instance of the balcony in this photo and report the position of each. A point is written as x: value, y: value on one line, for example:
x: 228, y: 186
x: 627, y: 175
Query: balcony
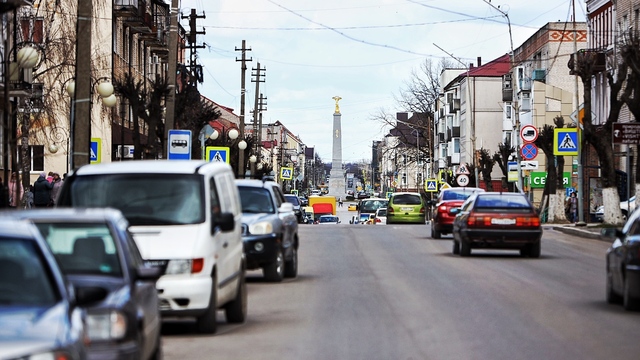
x: 134, y: 14
x: 454, y: 105
x: 124, y: 8
x: 440, y: 137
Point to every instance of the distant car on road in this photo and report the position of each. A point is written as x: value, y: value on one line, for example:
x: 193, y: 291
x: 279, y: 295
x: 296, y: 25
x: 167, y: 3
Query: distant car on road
x: 328, y: 219
x: 381, y: 217
x: 497, y: 220
x: 297, y: 206
x: 269, y: 229
x: 406, y: 207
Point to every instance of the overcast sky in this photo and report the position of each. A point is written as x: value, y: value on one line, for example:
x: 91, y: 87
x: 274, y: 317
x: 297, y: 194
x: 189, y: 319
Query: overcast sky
x: 361, y: 50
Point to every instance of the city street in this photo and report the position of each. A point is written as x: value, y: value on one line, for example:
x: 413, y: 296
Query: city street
x: 392, y: 292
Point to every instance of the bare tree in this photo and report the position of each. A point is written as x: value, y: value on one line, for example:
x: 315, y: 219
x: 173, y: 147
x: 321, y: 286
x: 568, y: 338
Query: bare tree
x: 486, y: 163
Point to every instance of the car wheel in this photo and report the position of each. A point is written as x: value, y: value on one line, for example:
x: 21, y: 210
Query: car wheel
x: 612, y: 296
x: 291, y: 266
x: 629, y: 303
x: 274, y: 272
x: 465, y: 249
x: 435, y: 234
x: 236, y: 310
x: 534, y: 250
x: 456, y: 247
x: 206, y: 323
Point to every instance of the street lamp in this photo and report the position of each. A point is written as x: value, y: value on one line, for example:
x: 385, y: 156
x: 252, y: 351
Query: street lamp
x: 252, y: 160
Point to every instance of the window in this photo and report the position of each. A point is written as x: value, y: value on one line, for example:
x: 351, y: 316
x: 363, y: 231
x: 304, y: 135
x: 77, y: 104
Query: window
x: 507, y: 111
x: 456, y: 145
x: 36, y: 157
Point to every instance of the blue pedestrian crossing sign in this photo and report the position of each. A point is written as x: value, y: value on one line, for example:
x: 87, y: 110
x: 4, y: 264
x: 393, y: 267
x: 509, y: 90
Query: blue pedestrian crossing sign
x: 431, y: 185
x: 286, y: 173
x: 95, y: 149
x: 217, y: 153
x: 565, y: 141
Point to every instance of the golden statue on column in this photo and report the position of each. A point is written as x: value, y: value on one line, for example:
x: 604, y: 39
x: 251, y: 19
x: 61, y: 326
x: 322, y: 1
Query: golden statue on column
x: 337, y: 98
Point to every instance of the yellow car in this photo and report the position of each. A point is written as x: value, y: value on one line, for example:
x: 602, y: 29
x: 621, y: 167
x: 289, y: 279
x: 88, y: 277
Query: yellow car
x: 353, y: 207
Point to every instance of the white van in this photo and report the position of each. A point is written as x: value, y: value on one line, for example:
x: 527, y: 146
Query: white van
x: 186, y: 218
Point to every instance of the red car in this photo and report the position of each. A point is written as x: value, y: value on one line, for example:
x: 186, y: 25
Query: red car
x: 442, y: 222
x: 495, y: 220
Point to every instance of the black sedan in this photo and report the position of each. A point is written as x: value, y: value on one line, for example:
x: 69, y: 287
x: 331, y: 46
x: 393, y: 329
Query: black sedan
x: 269, y: 229
x: 623, y: 264
x: 40, y: 317
x: 498, y: 221
x: 95, y: 249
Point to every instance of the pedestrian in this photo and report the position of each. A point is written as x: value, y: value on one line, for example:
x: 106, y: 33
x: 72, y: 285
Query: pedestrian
x: 28, y: 198
x: 50, y: 176
x: 572, y: 207
x: 42, y: 191
x: 57, y: 185
x: 340, y: 201
x: 15, y: 191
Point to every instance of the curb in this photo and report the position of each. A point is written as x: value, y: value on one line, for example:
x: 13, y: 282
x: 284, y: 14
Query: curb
x: 581, y: 232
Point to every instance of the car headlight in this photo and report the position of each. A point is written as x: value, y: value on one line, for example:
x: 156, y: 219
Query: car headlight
x: 261, y: 228
x: 106, y: 326
x: 178, y: 267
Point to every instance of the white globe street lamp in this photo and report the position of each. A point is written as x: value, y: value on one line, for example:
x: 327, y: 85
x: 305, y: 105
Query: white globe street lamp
x: 28, y: 57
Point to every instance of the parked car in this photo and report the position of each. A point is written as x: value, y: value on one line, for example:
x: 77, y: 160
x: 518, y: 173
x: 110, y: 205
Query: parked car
x: 352, y: 207
x: 623, y: 264
x: 95, y: 248
x: 328, y: 220
x: 297, y: 206
x: 369, y: 206
x: 499, y: 221
x: 626, y: 207
x: 381, y: 217
x: 406, y: 207
x: 448, y: 199
x: 185, y: 217
x: 303, y: 201
x: 40, y: 317
x: 269, y: 229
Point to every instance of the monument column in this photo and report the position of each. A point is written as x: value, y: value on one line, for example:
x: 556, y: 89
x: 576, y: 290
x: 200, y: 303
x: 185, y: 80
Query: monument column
x: 336, y: 176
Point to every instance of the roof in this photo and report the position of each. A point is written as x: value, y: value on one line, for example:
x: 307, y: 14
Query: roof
x: 151, y: 167
x: 494, y: 68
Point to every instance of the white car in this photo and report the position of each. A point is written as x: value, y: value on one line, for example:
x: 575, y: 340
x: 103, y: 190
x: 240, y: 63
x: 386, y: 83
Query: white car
x: 328, y: 219
x: 625, y: 206
x: 381, y: 217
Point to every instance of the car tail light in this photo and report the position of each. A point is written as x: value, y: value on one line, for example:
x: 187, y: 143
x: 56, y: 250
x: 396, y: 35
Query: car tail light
x: 528, y: 221
x: 197, y: 265
x: 422, y: 210
x: 378, y: 220
x: 479, y: 221
x: 390, y: 211
x: 442, y: 208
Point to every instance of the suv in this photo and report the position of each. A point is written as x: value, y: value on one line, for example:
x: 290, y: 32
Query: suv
x: 185, y: 218
x: 297, y: 206
x: 442, y: 222
x: 269, y: 229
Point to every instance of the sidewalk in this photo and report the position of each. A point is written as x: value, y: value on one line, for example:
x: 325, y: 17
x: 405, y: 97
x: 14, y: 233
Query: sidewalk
x: 590, y: 231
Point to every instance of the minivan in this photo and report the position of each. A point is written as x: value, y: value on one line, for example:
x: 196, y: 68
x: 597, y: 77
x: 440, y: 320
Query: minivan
x: 185, y: 218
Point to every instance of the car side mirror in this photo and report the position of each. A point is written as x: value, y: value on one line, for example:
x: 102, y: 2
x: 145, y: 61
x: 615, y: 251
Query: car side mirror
x: 286, y: 207
x: 89, y: 294
x: 148, y: 273
x: 225, y: 221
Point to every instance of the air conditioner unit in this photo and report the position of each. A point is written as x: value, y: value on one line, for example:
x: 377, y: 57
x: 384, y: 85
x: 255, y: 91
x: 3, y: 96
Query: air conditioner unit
x: 128, y: 151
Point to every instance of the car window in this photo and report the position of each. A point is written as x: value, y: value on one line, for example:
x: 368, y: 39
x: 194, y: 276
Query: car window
x: 406, y: 199
x: 292, y: 199
x: 82, y: 248
x: 456, y: 195
x: 372, y: 205
x: 255, y: 200
x: 25, y: 277
x: 213, y: 198
x: 502, y: 201
x: 382, y: 212
x: 279, y: 196
x: 144, y: 199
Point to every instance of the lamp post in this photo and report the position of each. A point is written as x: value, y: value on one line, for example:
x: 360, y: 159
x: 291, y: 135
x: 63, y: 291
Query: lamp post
x: 106, y: 92
x: 252, y: 160
x: 232, y: 134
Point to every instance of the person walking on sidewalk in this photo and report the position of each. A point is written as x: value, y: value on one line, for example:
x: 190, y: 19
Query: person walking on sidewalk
x: 572, y: 207
x: 42, y: 191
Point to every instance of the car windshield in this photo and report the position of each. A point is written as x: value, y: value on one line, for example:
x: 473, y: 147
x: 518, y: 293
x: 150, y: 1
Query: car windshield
x: 144, y: 199
x: 292, y: 199
x: 328, y: 219
x: 407, y: 199
x: 369, y: 206
x: 255, y: 200
x: 82, y: 248
x: 500, y: 201
x: 461, y: 194
x: 25, y: 277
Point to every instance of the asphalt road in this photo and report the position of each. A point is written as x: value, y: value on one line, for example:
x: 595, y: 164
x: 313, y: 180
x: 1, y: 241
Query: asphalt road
x: 391, y: 292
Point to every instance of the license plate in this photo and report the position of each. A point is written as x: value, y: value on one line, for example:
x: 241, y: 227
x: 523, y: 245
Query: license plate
x: 503, y: 221
x: 406, y: 208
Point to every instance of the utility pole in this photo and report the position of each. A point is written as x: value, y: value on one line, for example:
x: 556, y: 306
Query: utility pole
x: 169, y: 121
x: 262, y: 106
x: 243, y: 60
x: 576, y: 107
x: 257, y: 108
x: 195, y: 69
x: 81, y: 117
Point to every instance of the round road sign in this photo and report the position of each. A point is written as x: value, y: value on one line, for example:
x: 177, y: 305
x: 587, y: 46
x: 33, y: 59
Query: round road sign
x: 529, y: 151
x: 462, y: 179
x: 529, y: 133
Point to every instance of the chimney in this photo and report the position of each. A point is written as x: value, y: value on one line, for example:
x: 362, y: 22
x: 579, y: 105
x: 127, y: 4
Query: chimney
x: 479, y: 61
x: 471, y: 66
x: 403, y: 116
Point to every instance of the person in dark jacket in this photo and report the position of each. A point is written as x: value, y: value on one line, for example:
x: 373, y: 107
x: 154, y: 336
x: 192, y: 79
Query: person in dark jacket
x: 42, y: 191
